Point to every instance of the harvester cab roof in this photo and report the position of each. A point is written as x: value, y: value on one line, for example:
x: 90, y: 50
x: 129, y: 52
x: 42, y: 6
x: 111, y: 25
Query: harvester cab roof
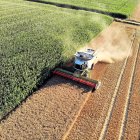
x: 87, y: 55
x: 85, y: 60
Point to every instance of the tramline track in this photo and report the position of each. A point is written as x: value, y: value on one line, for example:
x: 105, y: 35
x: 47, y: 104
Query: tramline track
x: 114, y: 97
x: 108, y: 122
x: 125, y: 113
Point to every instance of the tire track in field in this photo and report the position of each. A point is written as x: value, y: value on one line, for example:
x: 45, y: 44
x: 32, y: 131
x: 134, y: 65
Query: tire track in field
x: 103, y: 111
x: 117, y: 115
x: 133, y: 121
x: 114, y: 125
x: 125, y: 114
x: 76, y: 117
x: 111, y: 107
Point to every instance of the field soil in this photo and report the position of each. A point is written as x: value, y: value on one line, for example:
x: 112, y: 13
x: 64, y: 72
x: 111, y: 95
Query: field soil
x: 64, y: 109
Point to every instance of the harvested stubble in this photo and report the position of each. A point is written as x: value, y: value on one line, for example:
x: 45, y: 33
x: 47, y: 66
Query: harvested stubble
x: 47, y: 114
x: 116, y: 125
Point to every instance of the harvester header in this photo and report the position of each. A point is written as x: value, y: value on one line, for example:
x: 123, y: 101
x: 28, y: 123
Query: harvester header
x: 80, y: 69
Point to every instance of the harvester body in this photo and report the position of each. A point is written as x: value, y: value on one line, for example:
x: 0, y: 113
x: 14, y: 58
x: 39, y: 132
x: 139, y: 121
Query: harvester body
x: 78, y: 70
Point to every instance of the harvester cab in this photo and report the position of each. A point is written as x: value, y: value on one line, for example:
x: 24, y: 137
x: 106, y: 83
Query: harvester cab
x: 79, y: 70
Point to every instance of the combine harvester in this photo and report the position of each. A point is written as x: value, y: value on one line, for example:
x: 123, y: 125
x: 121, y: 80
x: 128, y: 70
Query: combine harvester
x: 80, y: 69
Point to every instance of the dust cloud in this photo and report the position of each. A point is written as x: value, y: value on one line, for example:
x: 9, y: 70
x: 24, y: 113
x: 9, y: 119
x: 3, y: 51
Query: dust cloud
x: 112, y: 46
